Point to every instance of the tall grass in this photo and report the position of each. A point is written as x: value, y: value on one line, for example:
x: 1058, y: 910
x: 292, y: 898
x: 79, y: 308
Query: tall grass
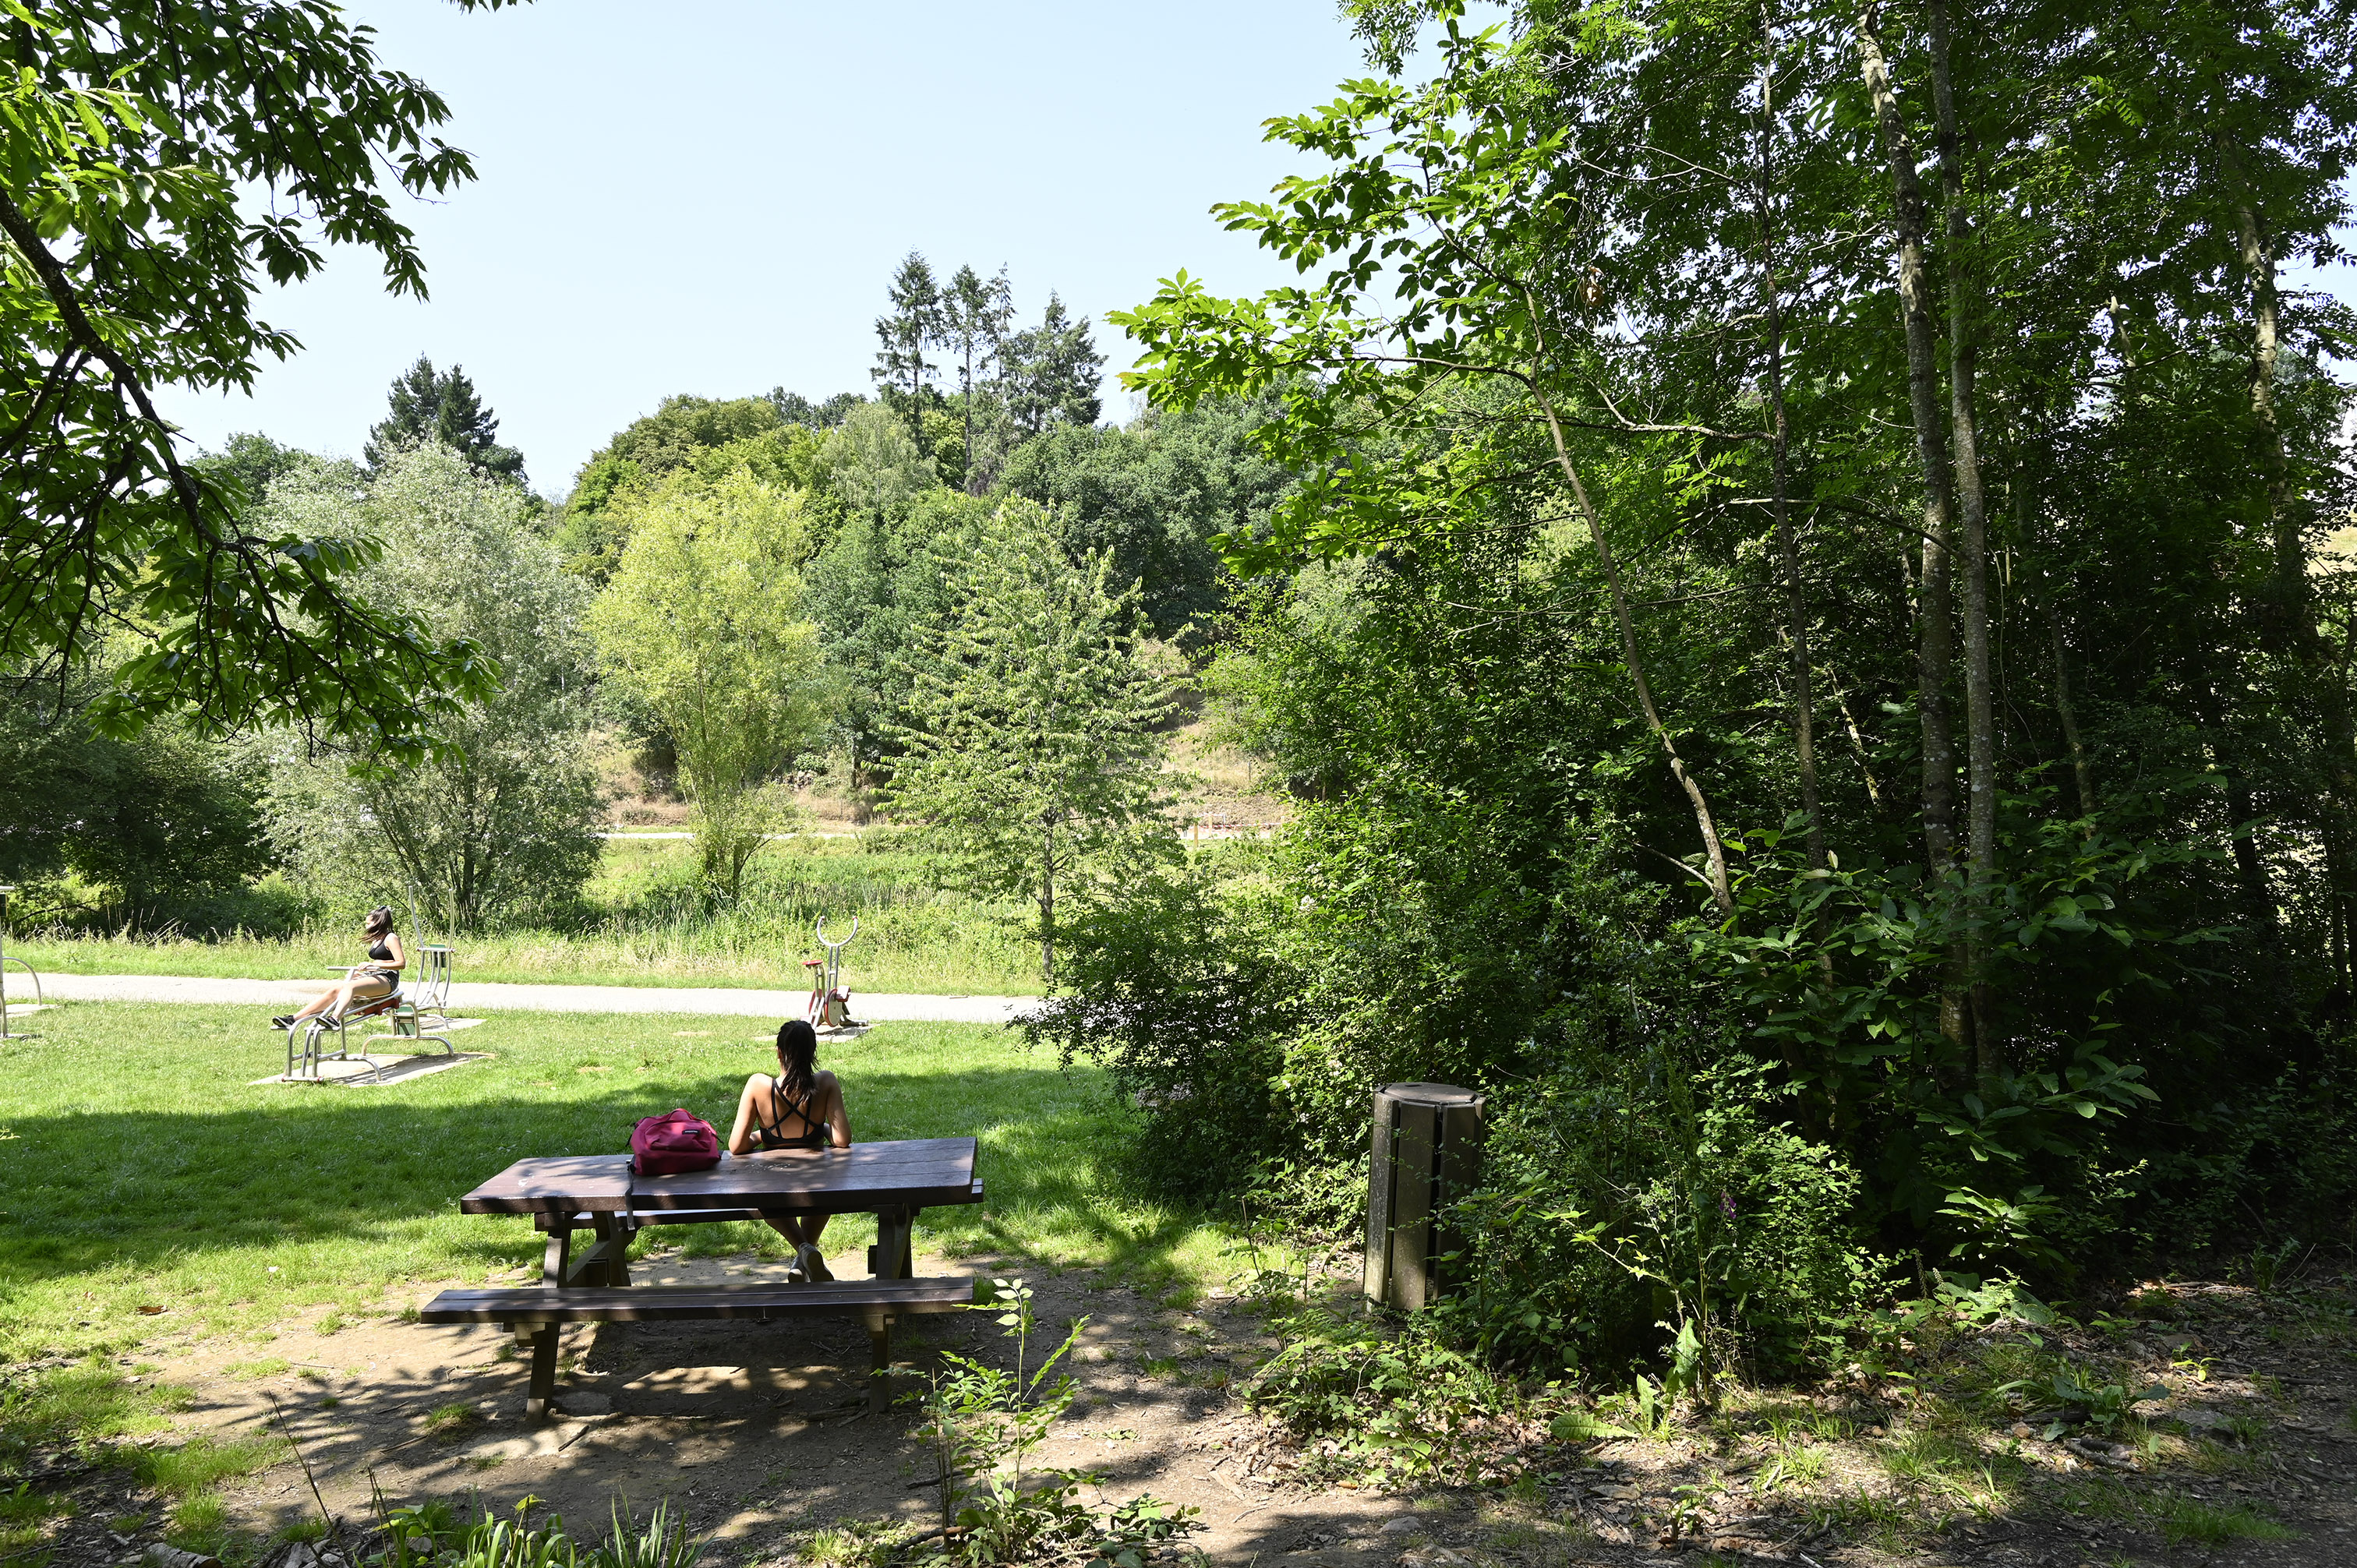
x: 644, y: 921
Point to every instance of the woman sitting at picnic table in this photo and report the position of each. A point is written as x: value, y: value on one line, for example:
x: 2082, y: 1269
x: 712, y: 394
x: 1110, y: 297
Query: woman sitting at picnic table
x: 799, y: 1108
x: 364, y: 982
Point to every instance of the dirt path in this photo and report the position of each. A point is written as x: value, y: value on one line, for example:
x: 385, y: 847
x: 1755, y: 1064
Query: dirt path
x: 756, y: 1432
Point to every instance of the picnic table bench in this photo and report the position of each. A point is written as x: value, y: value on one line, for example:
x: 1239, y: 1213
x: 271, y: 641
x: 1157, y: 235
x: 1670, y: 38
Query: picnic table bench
x: 598, y: 1193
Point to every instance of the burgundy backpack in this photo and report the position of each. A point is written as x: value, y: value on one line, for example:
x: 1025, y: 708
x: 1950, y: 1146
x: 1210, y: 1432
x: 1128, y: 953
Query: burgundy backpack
x: 674, y: 1141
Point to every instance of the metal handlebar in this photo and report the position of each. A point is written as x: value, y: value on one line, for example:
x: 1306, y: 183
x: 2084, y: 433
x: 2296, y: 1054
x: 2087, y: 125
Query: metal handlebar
x: 846, y: 941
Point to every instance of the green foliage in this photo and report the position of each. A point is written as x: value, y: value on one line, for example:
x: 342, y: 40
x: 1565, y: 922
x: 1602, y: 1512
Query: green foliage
x: 154, y: 831
x: 1595, y: 382
x: 1032, y: 758
x: 135, y: 145
x: 1051, y: 373
x: 1169, y: 985
x: 983, y: 1423
x: 505, y: 827
x: 430, y: 407
x: 1397, y: 1404
x: 2067, y: 1396
x: 710, y: 438
x: 872, y: 466
x: 1156, y: 495
x: 253, y: 462
x: 703, y: 624
x: 872, y: 590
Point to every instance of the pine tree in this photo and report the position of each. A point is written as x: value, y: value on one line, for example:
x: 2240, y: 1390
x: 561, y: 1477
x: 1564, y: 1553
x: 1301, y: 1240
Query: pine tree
x: 912, y: 325
x: 975, y: 316
x: 1052, y: 371
x: 1032, y: 751
x: 426, y: 404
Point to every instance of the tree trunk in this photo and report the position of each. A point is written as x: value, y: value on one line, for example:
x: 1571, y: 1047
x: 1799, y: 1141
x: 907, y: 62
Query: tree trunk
x: 1796, y: 609
x: 1722, y: 893
x: 1935, y: 641
x: 2287, y: 617
x: 2042, y: 599
x: 1047, y: 903
x: 1980, y: 712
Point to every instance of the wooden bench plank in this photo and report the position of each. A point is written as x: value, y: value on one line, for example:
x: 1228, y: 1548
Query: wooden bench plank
x: 655, y: 1304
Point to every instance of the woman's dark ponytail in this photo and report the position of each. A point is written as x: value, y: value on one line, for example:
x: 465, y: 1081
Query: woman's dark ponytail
x: 796, y: 1059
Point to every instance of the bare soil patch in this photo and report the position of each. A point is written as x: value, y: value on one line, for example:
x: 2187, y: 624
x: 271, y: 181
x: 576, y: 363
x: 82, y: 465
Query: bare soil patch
x: 756, y: 1432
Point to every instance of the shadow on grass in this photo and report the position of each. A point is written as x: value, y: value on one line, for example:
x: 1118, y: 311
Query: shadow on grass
x: 139, y: 1189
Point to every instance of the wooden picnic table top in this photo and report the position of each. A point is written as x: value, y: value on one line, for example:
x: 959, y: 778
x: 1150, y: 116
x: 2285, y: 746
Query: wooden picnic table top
x: 913, y: 1172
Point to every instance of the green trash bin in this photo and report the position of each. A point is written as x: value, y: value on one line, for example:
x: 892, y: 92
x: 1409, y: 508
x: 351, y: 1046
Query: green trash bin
x: 1425, y: 1153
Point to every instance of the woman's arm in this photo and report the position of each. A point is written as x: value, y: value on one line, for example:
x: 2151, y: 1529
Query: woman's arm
x: 740, y: 1137
x: 838, y: 1119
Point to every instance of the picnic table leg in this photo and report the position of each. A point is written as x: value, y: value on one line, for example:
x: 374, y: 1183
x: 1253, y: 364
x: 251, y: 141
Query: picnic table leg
x: 543, y: 1372
x: 617, y: 1267
x: 890, y: 1259
x: 558, y: 1251
x: 879, y: 1370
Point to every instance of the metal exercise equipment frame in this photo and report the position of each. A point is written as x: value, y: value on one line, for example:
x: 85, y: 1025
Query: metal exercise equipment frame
x: 412, y: 1016
x: 830, y: 1003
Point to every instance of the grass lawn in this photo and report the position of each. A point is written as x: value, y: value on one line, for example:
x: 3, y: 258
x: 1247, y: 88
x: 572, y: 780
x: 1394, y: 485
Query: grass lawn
x: 148, y: 1190
x: 643, y: 922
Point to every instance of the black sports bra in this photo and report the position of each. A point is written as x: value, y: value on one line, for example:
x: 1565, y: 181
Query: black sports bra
x: 773, y: 1134
x: 381, y: 953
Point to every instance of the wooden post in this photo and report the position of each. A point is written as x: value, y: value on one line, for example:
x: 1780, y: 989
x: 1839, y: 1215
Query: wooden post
x: 879, y: 1368
x: 542, y: 1390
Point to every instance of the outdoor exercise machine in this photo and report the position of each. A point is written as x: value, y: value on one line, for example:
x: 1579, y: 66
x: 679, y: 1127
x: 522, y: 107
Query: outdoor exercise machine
x: 38, y: 1000
x: 415, y: 1016
x: 830, y: 999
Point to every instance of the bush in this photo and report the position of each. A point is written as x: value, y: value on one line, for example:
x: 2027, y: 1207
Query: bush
x: 1168, y: 985
x: 1637, y: 1198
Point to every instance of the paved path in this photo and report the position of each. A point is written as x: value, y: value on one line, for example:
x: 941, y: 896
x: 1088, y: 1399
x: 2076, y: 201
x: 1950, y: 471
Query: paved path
x: 482, y: 996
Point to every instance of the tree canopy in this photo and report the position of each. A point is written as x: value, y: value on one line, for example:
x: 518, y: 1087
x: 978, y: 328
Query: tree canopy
x: 126, y: 137
x: 442, y: 407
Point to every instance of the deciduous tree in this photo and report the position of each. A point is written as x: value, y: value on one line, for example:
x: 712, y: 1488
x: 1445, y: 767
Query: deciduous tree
x: 704, y: 623
x: 156, y: 162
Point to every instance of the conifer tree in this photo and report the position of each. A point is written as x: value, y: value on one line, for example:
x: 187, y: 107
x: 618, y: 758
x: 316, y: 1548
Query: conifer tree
x: 1032, y: 751
x: 906, y: 331
x: 426, y: 404
x: 1053, y: 371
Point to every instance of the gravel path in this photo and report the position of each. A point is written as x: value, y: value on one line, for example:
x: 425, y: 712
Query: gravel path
x: 482, y: 996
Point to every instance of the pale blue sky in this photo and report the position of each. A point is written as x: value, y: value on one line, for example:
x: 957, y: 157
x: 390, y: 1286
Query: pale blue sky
x: 708, y: 196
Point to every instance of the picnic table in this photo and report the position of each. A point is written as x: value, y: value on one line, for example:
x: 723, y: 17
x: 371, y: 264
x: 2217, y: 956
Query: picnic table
x: 599, y: 1194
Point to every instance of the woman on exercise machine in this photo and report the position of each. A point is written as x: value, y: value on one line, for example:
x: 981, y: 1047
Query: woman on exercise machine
x: 364, y: 982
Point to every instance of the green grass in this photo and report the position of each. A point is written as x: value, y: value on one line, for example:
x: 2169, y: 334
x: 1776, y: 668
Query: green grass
x: 644, y: 924
x: 201, y: 1464
x: 2185, y: 1521
x: 143, y: 1169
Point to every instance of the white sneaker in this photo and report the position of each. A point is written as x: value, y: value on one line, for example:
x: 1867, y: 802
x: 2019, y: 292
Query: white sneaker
x: 814, y: 1264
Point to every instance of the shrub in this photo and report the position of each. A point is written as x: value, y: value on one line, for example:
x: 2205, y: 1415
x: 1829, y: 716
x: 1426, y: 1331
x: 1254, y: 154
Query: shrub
x: 1167, y: 985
